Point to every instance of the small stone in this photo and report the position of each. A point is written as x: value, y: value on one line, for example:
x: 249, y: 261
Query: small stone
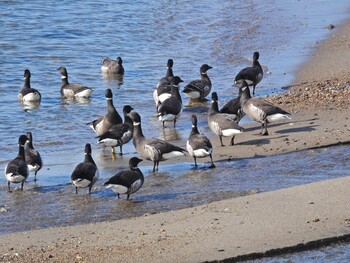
x: 331, y: 26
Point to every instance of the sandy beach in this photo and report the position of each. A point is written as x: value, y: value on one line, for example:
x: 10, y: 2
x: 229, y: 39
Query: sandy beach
x: 243, y: 227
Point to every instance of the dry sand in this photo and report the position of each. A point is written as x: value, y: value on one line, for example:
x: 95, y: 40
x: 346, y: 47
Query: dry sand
x: 239, y: 228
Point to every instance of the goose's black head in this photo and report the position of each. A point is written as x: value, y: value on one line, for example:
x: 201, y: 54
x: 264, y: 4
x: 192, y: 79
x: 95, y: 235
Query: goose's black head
x: 109, y: 94
x: 134, y: 161
x: 194, y: 120
x: 127, y: 109
x: 204, y: 68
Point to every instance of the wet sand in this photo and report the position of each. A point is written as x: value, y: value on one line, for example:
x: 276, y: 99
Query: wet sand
x: 319, y: 100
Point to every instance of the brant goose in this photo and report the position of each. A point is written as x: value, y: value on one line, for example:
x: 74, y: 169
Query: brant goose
x: 27, y: 94
x: 86, y: 173
x: 170, y: 109
x: 252, y: 75
x: 222, y: 124
x: 110, y: 66
x: 163, y: 92
x: 152, y: 149
x: 33, y: 158
x: 127, y: 181
x: 200, y: 88
x: 234, y: 107
x: 169, y: 73
x: 105, y: 122
x: 118, y: 134
x: 261, y: 110
x: 16, y: 170
x: 198, y: 145
x: 69, y: 91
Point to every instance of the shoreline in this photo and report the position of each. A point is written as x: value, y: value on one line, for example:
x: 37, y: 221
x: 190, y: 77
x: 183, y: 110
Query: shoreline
x: 244, y: 225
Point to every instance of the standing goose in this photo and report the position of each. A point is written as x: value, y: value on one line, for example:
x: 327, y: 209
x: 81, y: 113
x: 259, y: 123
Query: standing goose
x: 118, y: 134
x: 261, y: 110
x: 152, y: 149
x: 198, y: 145
x: 222, y: 124
x: 105, y: 122
x: 169, y: 73
x: 70, y: 91
x: 16, y: 170
x: 234, y: 107
x: 252, y: 75
x: 170, y: 109
x: 33, y: 158
x: 110, y: 66
x: 86, y: 173
x: 27, y: 94
x: 200, y: 88
x: 163, y: 92
x: 127, y: 181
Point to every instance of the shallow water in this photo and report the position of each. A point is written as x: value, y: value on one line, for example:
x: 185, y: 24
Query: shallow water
x: 44, y: 35
x: 47, y: 203
x: 339, y: 253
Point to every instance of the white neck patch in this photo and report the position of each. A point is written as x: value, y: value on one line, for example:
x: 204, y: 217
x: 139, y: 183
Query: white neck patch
x: 63, y: 77
x: 136, y: 123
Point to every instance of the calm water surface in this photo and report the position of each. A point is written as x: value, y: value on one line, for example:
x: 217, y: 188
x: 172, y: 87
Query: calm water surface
x: 43, y: 35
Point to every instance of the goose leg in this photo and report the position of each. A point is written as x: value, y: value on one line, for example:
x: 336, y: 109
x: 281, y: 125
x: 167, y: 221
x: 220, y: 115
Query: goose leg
x: 35, y: 176
x: 157, y: 165
x: 195, y: 161
x: 121, y: 149
x: 76, y: 190
x: 127, y: 197
x: 253, y: 90
x: 154, y: 166
x: 8, y: 186
x: 220, y: 137
x: 22, y: 185
x: 90, y: 190
x: 233, y: 140
x: 265, y: 132
x: 212, y: 162
x: 113, y: 150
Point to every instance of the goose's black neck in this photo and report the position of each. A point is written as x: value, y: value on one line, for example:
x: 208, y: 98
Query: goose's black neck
x: 194, y: 130
x: 88, y: 158
x: 21, y: 154
x: 27, y: 83
x: 214, y: 108
x: 245, y: 95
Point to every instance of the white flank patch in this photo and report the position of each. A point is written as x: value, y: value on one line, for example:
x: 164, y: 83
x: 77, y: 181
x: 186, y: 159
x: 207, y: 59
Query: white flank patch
x: 163, y: 97
x: 135, y: 186
x: 155, y: 97
x: 189, y: 148
x: 277, y: 117
x: 84, y: 94
x: 200, y: 153
x: 81, y: 183
x: 249, y: 82
x: 193, y: 94
x: 68, y: 93
x: 33, y: 168
x: 104, y: 68
x: 33, y: 96
x: 167, y: 117
x: 172, y: 154
x: 14, y: 179
x: 109, y: 142
x: 117, y: 188
x: 230, y: 132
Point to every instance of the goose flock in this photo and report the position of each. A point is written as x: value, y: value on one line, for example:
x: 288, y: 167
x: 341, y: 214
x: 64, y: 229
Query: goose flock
x: 112, y: 130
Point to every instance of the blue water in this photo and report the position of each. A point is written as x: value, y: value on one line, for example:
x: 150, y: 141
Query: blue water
x: 43, y: 35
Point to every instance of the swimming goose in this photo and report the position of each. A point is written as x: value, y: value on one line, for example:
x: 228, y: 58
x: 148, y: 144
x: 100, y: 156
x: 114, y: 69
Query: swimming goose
x: 163, y: 92
x: 118, y: 134
x: 27, y: 94
x: 152, y: 149
x: 33, y: 158
x: 86, y: 173
x: 200, y: 88
x: 260, y: 110
x: 127, y: 181
x: 170, y: 109
x: 222, y: 124
x: 69, y: 91
x: 110, y: 66
x: 198, y: 145
x: 16, y: 170
x: 105, y: 122
x: 252, y: 75
x: 169, y: 73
